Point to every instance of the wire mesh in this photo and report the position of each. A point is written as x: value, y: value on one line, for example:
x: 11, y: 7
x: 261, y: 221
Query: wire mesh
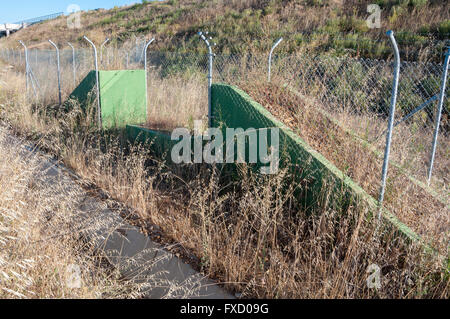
x: 354, y: 92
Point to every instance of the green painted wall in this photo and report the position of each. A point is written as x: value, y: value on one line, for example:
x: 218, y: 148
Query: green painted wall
x: 159, y: 141
x: 84, y: 93
x: 123, y: 96
x: 233, y: 108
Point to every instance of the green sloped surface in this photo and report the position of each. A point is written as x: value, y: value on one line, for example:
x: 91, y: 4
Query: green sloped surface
x: 234, y: 108
x: 122, y: 97
x: 82, y: 93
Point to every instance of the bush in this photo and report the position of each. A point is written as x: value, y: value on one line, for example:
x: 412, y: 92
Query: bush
x: 444, y: 29
x: 418, y: 3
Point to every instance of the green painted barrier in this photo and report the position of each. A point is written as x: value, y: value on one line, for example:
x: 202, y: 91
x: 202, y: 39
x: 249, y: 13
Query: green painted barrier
x: 84, y: 93
x: 159, y: 141
x: 123, y: 96
x: 233, y: 108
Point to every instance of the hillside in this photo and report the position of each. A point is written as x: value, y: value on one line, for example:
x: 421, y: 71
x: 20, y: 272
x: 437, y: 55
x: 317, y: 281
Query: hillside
x: 238, y: 26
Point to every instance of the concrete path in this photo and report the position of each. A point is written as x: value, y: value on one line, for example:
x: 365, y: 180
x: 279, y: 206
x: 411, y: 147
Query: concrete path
x: 139, y: 259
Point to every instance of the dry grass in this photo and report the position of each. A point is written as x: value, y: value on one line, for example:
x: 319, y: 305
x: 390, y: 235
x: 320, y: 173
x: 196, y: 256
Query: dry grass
x: 186, y: 102
x: 248, y: 231
x: 48, y: 240
x: 42, y: 219
x: 413, y: 205
x: 39, y: 245
x: 410, y: 147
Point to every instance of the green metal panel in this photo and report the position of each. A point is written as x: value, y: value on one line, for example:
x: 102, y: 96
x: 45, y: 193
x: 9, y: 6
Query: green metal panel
x: 233, y: 108
x: 85, y: 91
x: 159, y: 141
x: 123, y: 96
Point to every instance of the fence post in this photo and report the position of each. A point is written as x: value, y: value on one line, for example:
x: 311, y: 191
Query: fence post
x: 99, y: 115
x: 387, y: 150
x: 210, y: 74
x: 59, y: 70
x: 29, y: 73
x: 145, y: 68
x: 270, y: 55
x: 136, y: 52
x: 26, y: 64
x: 101, y: 50
x: 73, y: 65
x: 439, y: 113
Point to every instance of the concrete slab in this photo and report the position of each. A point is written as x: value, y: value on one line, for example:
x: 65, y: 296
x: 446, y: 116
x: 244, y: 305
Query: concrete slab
x: 136, y: 257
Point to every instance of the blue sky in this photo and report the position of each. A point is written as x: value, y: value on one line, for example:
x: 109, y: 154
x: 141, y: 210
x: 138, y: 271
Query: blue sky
x: 17, y: 10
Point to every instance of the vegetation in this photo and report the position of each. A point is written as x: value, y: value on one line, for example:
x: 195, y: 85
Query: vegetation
x: 334, y: 26
x: 357, y: 161
x: 249, y: 232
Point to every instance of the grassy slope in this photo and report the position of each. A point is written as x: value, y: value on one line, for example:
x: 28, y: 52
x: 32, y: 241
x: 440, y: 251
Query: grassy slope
x: 253, y: 25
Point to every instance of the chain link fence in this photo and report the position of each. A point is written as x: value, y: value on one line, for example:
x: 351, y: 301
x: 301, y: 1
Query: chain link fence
x: 354, y: 93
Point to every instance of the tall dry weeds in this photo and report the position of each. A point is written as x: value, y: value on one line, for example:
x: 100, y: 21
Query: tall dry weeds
x: 247, y: 231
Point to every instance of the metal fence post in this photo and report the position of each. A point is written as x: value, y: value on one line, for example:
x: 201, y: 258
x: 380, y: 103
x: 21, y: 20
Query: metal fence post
x: 73, y: 65
x: 99, y: 115
x: 136, y: 52
x: 29, y: 73
x: 387, y: 150
x: 59, y: 70
x: 210, y: 74
x: 439, y: 113
x: 145, y: 68
x: 270, y: 56
x: 26, y: 63
x: 101, y: 50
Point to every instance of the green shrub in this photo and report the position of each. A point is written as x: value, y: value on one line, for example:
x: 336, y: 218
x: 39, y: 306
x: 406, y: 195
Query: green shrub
x: 444, y: 28
x: 418, y: 3
x: 424, y: 30
x: 410, y: 38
